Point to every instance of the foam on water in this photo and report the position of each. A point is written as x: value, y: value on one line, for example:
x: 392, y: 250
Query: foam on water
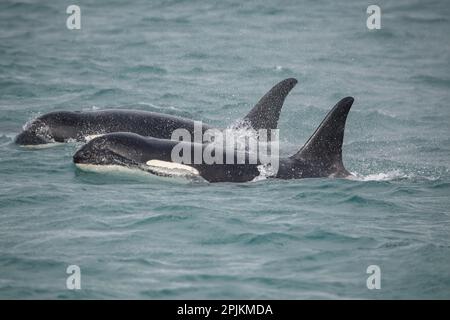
x: 92, y: 136
x: 383, y: 176
x: 265, y: 171
x: 92, y: 108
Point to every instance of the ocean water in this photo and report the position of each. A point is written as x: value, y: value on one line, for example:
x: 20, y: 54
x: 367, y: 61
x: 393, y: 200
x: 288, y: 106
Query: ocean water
x: 137, y: 236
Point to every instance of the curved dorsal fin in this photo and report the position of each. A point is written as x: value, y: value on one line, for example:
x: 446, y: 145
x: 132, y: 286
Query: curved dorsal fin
x: 324, y: 147
x: 266, y: 112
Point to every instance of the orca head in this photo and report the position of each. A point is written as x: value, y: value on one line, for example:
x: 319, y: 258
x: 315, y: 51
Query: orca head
x: 109, y: 149
x: 29, y: 138
x: 57, y: 126
x: 34, y: 133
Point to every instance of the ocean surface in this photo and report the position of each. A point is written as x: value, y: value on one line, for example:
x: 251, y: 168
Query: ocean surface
x: 137, y: 236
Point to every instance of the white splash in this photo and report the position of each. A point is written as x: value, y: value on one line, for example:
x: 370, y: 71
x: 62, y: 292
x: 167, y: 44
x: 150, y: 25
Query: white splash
x: 91, y: 108
x: 243, y: 134
x: 265, y: 171
x: 92, y: 136
x: 388, y: 176
x: 30, y: 121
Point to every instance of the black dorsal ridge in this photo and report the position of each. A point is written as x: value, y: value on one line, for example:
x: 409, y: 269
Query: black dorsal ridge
x: 325, y: 145
x: 266, y: 112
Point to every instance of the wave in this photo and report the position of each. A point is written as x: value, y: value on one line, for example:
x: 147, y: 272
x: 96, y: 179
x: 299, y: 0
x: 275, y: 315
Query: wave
x: 159, y: 218
x: 164, y: 21
x: 383, y: 176
x: 423, y: 19
x: 336, y: 237
x: 18, y: 8
x: 432, y: 80
x: 276, y: 238
x: 145, y: 69
x: 6, y: 138
x: 108, y: 92
x: 276, y: 70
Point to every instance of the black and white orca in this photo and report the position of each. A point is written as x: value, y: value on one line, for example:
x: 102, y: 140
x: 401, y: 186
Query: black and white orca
x: 321, y: 156
x: 63, y: 126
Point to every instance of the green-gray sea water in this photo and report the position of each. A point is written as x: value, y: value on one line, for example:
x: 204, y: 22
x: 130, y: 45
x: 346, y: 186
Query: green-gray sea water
x: 147, y: 238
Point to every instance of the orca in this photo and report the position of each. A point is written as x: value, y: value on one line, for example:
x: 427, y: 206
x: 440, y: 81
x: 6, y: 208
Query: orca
x: 63, y: 126
x: 321, y: 156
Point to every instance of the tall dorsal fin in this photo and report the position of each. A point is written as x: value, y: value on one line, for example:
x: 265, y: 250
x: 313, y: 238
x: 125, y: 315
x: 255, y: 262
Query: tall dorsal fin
x: 266, y: 112
x: 324, y: 147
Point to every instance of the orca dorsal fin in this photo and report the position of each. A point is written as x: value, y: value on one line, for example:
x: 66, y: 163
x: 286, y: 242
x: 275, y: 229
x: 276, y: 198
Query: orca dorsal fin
x: 324, y: 147
x: 266, y: 112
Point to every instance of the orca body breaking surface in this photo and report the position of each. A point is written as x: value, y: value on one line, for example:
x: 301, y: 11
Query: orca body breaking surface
x: 321, y: 156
